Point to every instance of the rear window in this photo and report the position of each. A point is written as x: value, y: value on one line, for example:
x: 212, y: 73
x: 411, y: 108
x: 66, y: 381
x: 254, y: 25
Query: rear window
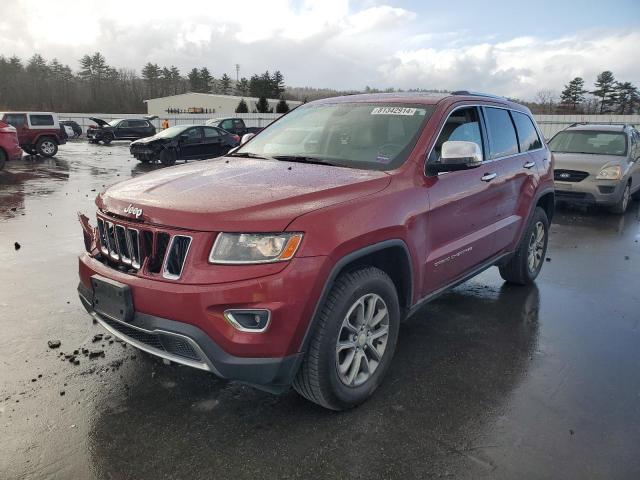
x: 527, y: 134
x: 41, y: 120
x: 502, y: 135
x: 590, y: 142
x: 15, y: 119
x: 138, y: 123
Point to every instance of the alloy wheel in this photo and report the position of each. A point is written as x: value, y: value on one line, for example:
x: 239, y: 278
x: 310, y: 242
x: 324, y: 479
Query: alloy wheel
x: 536, y: 247
x: 362, y: 340
x: 48, y: 147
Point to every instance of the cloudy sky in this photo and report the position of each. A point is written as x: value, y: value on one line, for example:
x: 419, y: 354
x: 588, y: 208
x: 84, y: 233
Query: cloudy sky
x: 505, y: 47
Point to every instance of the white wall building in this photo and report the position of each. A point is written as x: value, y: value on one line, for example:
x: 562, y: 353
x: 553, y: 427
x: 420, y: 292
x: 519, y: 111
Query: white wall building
x: 191, y: 102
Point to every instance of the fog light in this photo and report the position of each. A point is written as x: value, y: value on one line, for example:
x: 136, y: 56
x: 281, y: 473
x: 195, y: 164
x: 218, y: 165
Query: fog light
x: 248, y: 320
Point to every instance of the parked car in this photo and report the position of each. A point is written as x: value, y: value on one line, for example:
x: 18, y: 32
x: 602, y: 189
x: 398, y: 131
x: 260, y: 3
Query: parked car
x: 119, y: 129
x: 297, y: 268
x: 597, y: 165
x: 9, y: 145
x: 75, y: 128
x: 38, y: 132
x: 233, y: 125
x: 184, y: 142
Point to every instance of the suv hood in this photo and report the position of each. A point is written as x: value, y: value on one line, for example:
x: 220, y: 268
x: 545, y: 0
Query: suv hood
x: 584, y: 161
x: 238, y: 195
x: 99, y: 121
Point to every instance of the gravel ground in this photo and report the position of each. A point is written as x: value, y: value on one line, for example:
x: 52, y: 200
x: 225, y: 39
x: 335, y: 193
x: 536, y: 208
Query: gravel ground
x: 489, y: 381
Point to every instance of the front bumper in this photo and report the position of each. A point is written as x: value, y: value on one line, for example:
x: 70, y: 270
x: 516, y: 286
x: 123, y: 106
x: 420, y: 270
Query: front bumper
x: 590, y: 192
x: 146, y: 154
x: 194, y: 315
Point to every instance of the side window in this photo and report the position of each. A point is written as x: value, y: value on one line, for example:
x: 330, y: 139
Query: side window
x: 502, y: 136
x: 41, y: 120
x: 124, y: 124
x: 527, y: 134
x: 210, y: 132
x: 17, y: 120
x: 227, y: 125
x: 462, y: 125
x: 194, y: 135
x: 237, y: 123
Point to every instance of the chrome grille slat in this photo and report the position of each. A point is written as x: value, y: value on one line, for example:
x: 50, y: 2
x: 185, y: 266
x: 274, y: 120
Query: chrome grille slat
x: 163, y: 253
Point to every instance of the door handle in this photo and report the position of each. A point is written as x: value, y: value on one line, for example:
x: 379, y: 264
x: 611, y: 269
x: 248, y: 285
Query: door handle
x: 487, y: 177
x: 529, y: 164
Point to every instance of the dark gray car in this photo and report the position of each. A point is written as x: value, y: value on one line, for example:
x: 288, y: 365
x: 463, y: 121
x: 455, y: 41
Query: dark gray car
x: 597, y: 164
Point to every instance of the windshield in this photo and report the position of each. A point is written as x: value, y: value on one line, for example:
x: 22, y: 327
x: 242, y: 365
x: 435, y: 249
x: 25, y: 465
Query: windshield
x: 356, y: 135
x: 172, y: 131
x: 115, y: 122
x: 593, y: 142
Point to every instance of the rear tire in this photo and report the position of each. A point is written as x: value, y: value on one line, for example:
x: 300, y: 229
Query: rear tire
x: 527, y: 261
x: 353, y: 340
x: 168, y: 157
x: 624, y: 201
x: 46, y: 147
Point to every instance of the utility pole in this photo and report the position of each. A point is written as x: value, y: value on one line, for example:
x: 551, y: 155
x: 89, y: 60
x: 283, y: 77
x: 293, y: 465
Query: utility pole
x: 237, y: 72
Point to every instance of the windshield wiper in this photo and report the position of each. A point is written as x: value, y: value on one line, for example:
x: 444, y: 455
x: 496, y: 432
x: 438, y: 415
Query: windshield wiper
x: 302, y: 159
x: 249, y: 155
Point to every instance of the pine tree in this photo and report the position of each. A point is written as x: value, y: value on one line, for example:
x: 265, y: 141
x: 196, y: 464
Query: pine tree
x: 605, y: 90
x: 242, y: 107
x: 262, y: 106
x: 627, y: 97
x: 282, y: 106
x: 242, y: 87
x: 573, y: 93
x: 205, y: 80
x: 277, y: 84
x: 194, y: 80
x: 151, y: 74
x: 225, y: 84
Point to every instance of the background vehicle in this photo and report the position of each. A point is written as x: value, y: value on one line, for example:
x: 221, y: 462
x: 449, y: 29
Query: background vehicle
x: 184, y: 142
x: 297, y: 267
x: 75, y: 127
x: 38, y: 132
x: 233, y: 125
x: 597, y: 164
x: 9, y: 146
x: 119, y: 129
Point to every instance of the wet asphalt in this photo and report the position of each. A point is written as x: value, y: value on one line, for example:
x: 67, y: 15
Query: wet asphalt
x: 488, y: 381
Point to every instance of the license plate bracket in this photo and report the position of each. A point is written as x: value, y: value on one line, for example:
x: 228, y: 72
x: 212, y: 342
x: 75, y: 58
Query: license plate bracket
x: 112, y: 299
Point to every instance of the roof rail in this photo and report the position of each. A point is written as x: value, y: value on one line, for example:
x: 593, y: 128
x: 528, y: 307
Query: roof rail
x: 621, y: 124
x: 476, y: 94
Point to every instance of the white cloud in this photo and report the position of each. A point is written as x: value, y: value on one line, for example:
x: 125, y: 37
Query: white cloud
x: 323, y: 43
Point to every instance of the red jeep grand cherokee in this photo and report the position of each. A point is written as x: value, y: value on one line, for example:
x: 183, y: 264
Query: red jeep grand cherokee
x: 294, y: 259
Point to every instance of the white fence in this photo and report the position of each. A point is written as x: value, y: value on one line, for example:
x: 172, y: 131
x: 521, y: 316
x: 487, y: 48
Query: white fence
x: 250, y: 119
x: 549, y: 124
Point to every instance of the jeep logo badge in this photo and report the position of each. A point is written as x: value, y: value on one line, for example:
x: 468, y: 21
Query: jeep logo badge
x: 133, y: 210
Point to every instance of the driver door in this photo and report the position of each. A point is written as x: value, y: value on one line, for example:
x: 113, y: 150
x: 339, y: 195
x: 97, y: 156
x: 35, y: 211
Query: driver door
x: 459, y: 227
x: 191, y: 143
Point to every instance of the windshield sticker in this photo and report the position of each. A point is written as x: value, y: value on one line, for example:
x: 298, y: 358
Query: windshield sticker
x: 382, y: 158
x: 396, y: 111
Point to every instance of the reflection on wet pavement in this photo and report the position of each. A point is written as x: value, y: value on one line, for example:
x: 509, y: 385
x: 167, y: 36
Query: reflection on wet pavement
x: 489, y: 381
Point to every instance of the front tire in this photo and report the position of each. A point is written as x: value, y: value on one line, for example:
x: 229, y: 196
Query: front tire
x: 46, y: 147
x: 624, y: 201
x: 107, y: 138
x: 526, y: 263
x: 168, y: 157
x: 353, y: 341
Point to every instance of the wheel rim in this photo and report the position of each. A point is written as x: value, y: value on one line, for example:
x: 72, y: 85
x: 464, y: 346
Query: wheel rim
x: 362, y: 340
x: 48, y: 147
x: 536, y: 247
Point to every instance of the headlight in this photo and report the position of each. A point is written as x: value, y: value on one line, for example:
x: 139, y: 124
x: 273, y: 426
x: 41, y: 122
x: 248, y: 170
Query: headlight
x: 613, y: 172
x: 244, y: 248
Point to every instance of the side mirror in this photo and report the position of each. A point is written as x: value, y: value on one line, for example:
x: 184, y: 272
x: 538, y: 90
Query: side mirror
x: 457, y: 155
x: 246, y: 137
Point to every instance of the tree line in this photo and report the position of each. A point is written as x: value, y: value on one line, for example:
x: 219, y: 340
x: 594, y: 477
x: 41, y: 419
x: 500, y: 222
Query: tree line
x: 608, y: 96
x: 97, y: 86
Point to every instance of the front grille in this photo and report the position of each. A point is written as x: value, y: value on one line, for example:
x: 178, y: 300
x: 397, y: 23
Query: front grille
x: 160, y: 341
x: 131, y: 249
x: 570, y: 175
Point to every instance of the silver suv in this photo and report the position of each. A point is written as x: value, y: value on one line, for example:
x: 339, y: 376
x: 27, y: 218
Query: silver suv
x: 597, y: 164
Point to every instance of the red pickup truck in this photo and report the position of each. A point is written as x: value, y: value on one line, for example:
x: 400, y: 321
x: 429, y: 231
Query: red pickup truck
x: 38, y: 132
x: 293, y: 263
